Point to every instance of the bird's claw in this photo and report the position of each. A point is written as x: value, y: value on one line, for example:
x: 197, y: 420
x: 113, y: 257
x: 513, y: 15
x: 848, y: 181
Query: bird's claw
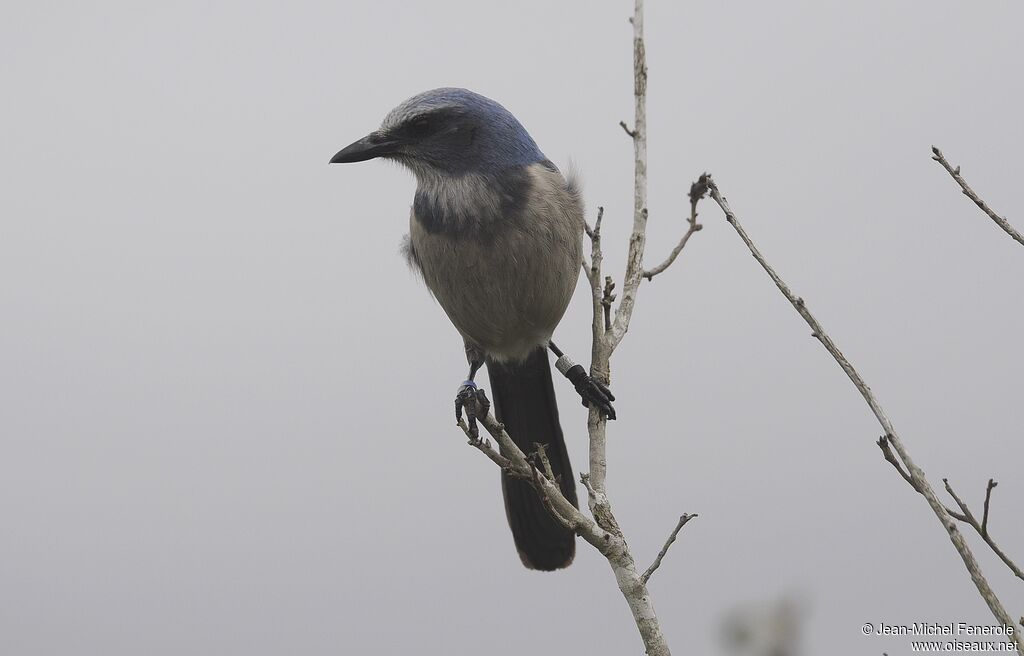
x: 592, y: 391
x: 476, y: 404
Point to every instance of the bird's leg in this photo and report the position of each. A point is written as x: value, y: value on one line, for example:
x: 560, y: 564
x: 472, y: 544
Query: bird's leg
x: 589, y: 389
x: 471, y: 398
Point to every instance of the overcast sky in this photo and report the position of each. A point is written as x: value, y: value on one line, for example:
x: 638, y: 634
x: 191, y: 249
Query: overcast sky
x: 225, y: 402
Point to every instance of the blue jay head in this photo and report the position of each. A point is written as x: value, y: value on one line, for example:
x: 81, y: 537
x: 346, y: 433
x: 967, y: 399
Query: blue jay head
x: 447, y: 132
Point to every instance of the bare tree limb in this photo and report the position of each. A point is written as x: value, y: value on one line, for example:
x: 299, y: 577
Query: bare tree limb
x: 542, y: 455
x: 638, y: 238
x: 597, y: 297
x: 549, y: 504
x: 608, y: 334
x: 955, y: 173
x: 602, y: 530
x: 988, y: 498
x: 982, y: 528
x: 890, y: 457
x: 920, y: 482
x: 965, y: 514
x: 484, y: 447
x: 607, y: 298
x: 683, y: 519
x: 609, y: 545
x: 593, y: 269
x: 968, y: 515
x: 697, y: 191
x: 887, y: 453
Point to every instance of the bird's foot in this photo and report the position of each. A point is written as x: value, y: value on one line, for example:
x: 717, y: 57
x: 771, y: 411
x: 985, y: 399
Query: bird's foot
x: 474, y: 401
x: 591, y: 391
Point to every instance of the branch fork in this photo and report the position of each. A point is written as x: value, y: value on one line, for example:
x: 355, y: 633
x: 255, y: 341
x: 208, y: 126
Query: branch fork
x: 891, y: 444
x: 609, y: 325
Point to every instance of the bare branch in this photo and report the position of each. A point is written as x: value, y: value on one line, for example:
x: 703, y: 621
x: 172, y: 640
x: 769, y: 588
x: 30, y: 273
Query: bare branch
x: 484, y: 447
x: 638, y: 238
x: 607, y: 334
x: 955, y: 173
x: 607, y: 298
x: 697, y: 191
x: 963, y: 507
x: 585, y: 479
x: 600, y: 507
x: 602, y: 530
x: 982, y: 528
x: 920, y: 482
x: 631, y: 133
x: 965, y: 515
x: 542, y: 455
x: 988, y: 498
x: 668, y: 543
x: 515, y: 462
x: 887, y: 453
x: 545, y: 498
x: 593, y: 271
x: 890, y: 457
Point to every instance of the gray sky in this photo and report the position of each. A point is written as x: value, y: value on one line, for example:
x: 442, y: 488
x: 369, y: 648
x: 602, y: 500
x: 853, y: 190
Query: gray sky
x: 226, y: 423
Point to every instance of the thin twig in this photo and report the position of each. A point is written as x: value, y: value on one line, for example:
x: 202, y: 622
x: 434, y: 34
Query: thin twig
x: 607, y: 298
x: 890, y: 457
x: 988, y: 498
x: 593, y: 271
x: 963, y: 506
x: 607, y: 334
x: 955, y: 173
x: 883, y: 443
x: 631, y: 133
x: 484, y: 447
x: 964, y: 515
x: 697, y: 191
x: 603, y: 530
x: 545, y: 498
x: 600, y: 507
x: 610, y: 546
x: 668, y: 543
x: 982, y: 528
x: 542, y: 455
x: 920, y: 482
x: 638, y: 237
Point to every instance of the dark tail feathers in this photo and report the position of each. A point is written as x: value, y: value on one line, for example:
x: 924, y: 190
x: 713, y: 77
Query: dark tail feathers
x: 524, y: 401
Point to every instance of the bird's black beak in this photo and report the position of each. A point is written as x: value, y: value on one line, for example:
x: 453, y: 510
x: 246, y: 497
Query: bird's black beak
x: 372, y: 145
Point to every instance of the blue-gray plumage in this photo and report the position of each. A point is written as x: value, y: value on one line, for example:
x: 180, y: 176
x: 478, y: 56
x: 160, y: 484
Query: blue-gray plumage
x: 496, y: 232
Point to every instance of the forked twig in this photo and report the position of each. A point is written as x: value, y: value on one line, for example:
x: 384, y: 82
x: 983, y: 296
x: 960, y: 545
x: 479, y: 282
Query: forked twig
x: 916, y: 475
x: 683, y: 519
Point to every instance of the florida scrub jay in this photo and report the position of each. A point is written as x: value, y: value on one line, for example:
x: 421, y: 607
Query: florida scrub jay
x: 496, y: 232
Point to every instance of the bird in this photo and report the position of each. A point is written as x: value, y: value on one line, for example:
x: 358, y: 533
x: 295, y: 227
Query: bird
x: 495, y: 231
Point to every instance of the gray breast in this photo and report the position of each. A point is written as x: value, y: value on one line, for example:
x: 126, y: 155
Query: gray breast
x: 501, y: 255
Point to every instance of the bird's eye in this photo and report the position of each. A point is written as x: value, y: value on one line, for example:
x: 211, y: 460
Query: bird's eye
x: 421, y: 127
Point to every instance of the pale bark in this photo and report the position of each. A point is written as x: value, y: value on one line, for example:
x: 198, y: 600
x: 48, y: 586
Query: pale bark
x: 917, y: 476
x: 601, y: 529
x: 955, y: 174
